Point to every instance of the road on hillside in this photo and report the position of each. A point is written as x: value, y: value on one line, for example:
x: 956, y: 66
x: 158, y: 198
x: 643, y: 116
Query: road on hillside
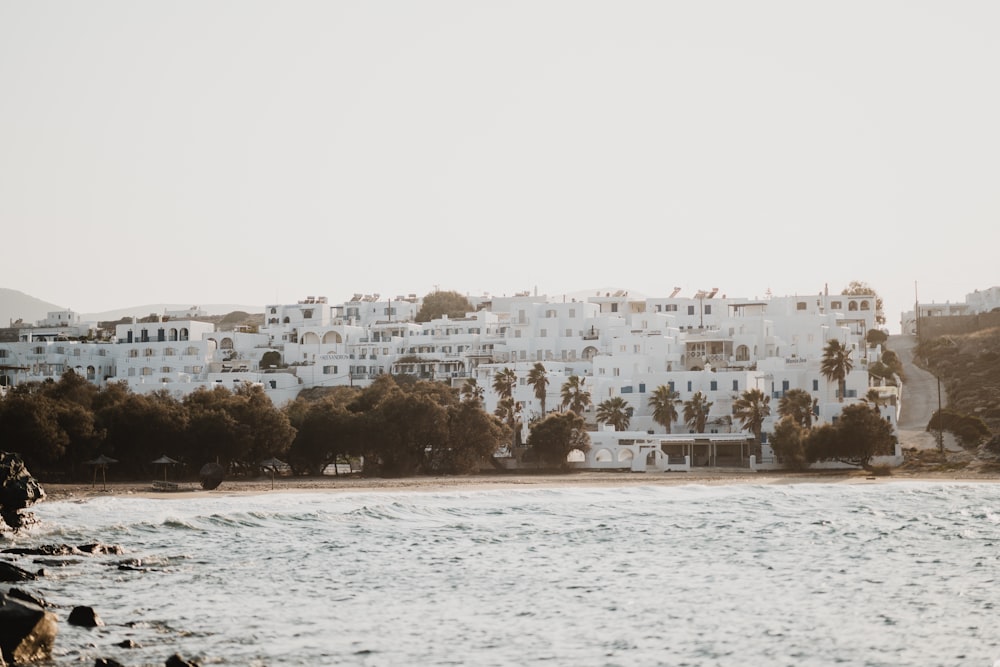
x: 919, y: 397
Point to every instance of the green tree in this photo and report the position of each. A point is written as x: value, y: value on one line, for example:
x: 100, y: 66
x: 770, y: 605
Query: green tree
x: 472, y: 392
x: 836, y: 365
x: 696, y: 410
x: 322, y: 434
x: 539, y: 381
x: 507, y: 408
x: 876, y: 337
x: 553, y: 438
x: 614, y: 411
x: 474, y: 436
x: 573, y: 394
x: 402, y: 431
x: 797, y: 404
x: 29, y: 426
x: 440, y: 303
x: 789, y: 443
x: 664, y: 402
x: 752, y: 408
x: 859, y: 434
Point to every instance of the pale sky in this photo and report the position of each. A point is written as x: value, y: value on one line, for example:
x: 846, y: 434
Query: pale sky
x: 252, y: 152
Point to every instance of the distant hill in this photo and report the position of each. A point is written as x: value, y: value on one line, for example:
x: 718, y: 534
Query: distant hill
x: 15, y: 305
x: 159, y: 308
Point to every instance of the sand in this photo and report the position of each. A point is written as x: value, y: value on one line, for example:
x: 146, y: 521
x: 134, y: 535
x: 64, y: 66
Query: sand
x: 501, y: 481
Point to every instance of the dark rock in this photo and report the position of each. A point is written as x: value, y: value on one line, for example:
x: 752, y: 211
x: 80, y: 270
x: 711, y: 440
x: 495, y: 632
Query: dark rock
x: 177, y: 661
x: 10, y: 572
x: 85, y: 617
x: 107, y: 662
x: 113, y: 549
x: 44, y: 550
x: 127, y: 643
x: 18, y: 490
x: 25, y: 596
x: 27, y: 631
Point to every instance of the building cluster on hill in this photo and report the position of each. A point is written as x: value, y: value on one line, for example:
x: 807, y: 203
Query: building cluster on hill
x: 617, y: 344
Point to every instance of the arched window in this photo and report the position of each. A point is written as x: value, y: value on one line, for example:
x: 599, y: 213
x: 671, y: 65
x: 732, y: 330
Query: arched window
x: 865, y: 305
x: 853, y: 305
x: 742, y: 353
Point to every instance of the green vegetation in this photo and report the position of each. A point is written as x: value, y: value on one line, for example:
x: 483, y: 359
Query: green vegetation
x: 573, y: 394
x: 400, y: 428
x: 664, y: 402
x: 614, y: 411
x: 438, y: 304
x: 554, y: 437
x: 696, y: 411
x: 752, y: 408
x: 856, y: 437
x: 968, y: 366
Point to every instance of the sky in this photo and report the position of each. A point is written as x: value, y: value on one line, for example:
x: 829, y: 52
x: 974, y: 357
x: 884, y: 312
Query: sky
x: 260, y: 152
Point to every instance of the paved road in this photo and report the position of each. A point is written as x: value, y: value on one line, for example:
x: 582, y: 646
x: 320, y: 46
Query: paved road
x: 918, y: 400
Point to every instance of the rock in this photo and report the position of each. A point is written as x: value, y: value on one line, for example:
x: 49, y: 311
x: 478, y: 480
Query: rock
x: 9, y: 572
x: 18, y: 490
x: 85, y: 617
x: 177, y: 661
x: 127, y: 643
x: 113, y: 549
x: 107, y: 662
x: 25, y: 596
x: 27, y: 632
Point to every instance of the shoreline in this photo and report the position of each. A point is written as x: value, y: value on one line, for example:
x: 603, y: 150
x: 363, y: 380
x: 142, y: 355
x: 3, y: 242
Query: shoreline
x: 491, y: 481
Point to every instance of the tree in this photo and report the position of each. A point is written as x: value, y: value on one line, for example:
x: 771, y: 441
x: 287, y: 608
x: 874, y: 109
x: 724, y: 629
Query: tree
x: 797, y: 404
x: 614, y: 411
x: 789, y: 443
x: 664, y: 402
x: 876, y: 337
x: 401, y: 433
x: 554, y: 437
x: 471, y: 392
x: 474, y: 436
x: 438, y: 304
x: 859, y: 435
x: 573, y: 394
x: 320, y: 434
x: 836, y: 365
x: 751, y: 408
x: 507, y: 408
x: 859, y: 288
x: 539, y: 381
x: 696, y: 411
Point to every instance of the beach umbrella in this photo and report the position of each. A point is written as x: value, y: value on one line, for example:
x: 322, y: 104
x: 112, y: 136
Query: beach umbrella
x: 165, y: 461
x: 101, y: 462
x: 273, y: 464
x: 210, y: 475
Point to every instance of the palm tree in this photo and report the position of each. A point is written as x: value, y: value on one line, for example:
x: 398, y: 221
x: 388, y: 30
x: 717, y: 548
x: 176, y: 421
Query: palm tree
x: 696, y: 412
x: 503, y: 384
x: 614, y: 411
x: 664, y: 402
x: 573, y: 395
x: 472, y: 392
x: 540, y: 382
x: 797, y: 404
x: 751, y: 408
x: 836, y: 365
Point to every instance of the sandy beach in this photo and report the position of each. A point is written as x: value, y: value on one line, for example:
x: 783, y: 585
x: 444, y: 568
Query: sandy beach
x: 496, y: 481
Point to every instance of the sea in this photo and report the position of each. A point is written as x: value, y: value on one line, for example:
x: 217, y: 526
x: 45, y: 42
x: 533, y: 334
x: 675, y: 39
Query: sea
x: 880, y: 573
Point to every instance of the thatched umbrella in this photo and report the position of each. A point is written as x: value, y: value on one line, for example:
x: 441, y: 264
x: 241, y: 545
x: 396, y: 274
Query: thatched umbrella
x: 165, y: 461
x: 101, y: 462
x: 273, y: 464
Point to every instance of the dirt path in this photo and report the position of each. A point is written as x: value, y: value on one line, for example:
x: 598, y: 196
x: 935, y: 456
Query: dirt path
x: 919, y: 399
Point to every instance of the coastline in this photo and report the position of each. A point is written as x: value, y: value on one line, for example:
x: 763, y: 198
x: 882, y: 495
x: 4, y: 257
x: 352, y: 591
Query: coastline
x: 490, y: 482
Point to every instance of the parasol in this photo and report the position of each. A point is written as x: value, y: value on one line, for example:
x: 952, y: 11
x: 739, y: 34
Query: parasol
x: 165, y: 461
x: 101, y: 462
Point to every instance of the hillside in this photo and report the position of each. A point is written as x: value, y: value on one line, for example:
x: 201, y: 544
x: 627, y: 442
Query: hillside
x: 15, y: 305
x: 969, y: 368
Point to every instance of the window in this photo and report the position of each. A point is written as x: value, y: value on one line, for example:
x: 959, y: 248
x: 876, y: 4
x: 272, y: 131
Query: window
x: 836, y: 305
x: 543, y: 333
x: 690, y: 310
x: 642, y: 387
x: 626, y: 390
x: 784, y: 385
x: 569, y: 333
x: 329, y: 370
x: 708, y: 309
x: 572, y: 312
x: 801, y: 305
x: 689, y: 385
x: 865, y: 305
x: 736, y: 385
x: 815, y: 385
x: 713, y: 385
x: 670, y: 308
x: 614, y: 308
